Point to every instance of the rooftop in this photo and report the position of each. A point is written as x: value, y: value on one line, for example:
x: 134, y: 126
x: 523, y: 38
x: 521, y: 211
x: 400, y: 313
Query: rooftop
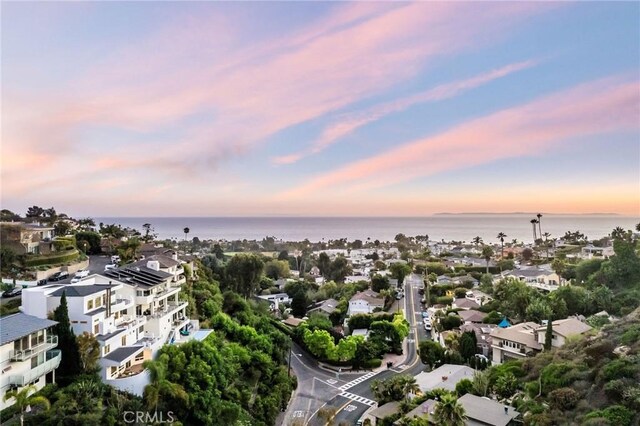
x: 386, y: 410
x: 16, y: 326
x: 121, y: 354
x: 567, y: 327
x: 79, y: 290
x: 139, y: 275
x: 485, y: 411
x: 523, y: 333
x: 445, y: 377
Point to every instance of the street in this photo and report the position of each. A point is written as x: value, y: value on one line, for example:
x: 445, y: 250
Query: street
x: 350, y: 393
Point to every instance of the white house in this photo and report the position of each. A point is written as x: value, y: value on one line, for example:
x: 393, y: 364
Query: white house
x: 364, y: 302
x: 542, y: 279
x: 132, y: 317
x: 275, y: 299
x: 561, y: 330
x: 27, y: 354
x: 446, y: 377
x: 590, y: 251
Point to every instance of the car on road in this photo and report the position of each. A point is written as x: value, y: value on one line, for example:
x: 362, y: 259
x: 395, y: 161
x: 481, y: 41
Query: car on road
x: 425, y: 314
x: 399, y: 295
x: 82, y: 273
x: 110, y: 267
x: 42, y: 282
x: 115, y: 258
x: 427, y: 326
x: 76, y: 280
x: 17, y: 291
x: 59, y: 276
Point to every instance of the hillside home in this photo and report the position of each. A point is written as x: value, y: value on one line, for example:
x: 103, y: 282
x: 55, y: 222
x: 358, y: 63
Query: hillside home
x: 590, y: 251
x: 27, y: 354
x: 562, y: 329
x: 25, y: 238
x: 446, y: 377
x: 483, y: 336
x: 542, y: 279
x: 364, y: 302
x: 131, y: 317
x: 515, y: 342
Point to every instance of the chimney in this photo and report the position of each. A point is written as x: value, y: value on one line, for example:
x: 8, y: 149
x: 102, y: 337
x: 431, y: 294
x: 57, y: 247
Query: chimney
x: 108, y: 313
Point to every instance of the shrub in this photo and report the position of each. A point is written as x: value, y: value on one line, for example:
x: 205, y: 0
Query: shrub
x: 615, y: 415
x: 563, y: 398
x: 614, y: 389
x: 444, y: 300
x: 372, y: 363
x: 631, y: 336
x: 464, y: 386
x: 618, y: 369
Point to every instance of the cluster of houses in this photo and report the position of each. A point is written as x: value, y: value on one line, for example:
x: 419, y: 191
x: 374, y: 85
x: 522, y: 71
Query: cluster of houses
x: 132, y: 311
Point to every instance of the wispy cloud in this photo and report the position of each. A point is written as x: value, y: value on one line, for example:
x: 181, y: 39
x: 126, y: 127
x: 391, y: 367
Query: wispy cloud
x: 592, y: 108
x: 349, y: 123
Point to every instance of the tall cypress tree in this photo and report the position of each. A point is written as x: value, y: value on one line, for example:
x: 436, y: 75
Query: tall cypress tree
x: 67, y: 343
x: 548, y: 337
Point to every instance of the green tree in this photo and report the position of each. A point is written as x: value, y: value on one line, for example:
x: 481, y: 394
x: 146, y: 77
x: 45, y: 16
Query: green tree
x: 431, y: 353
x: 243, y: 274
x: 399, y: 271
x: 487, y: 253
x: 324, y: 264
x: 9, y: 216
x: 548, y: 335
x: 409, y: 386
x: 449, y: 412
x: 276, y: 269
x: 481, y: 383
x: 89, y: 352
x: 67, y: 343
x: 339, y: 269
x: 538, y: 310
x: 159, y: 387
x: 506, y: 385
x: 378, y: 282
x: 320, y: 343
x: 468, y: 345
x: 501, y: 236
x: 24, y: 398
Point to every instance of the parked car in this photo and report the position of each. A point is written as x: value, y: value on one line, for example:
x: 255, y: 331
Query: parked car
x: 399, y: 295
x: 42, y: 282
x: 17, y: 291
x: 82, y: 273
x: 427, y: 326
x: 425, y: 314
x: 110, y: 267
x: 75, y: 280
x: 59, y: 276
x: 115, y: 258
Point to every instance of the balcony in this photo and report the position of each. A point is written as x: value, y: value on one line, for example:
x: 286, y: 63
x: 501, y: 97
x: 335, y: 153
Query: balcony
x: 52, y: 362
x: 130, y: 321
x: 25, y: 354
x: 169, y: 308
x: 121, y: 303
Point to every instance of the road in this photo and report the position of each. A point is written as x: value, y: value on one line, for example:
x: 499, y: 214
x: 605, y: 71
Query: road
x: 350, y: 394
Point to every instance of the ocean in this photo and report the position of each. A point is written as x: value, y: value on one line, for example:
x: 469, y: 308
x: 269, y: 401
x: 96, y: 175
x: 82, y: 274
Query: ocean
x: 448, y: 227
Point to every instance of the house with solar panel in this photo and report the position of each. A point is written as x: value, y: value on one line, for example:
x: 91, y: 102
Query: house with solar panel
x: 132, y: 311
x: 27, y: 354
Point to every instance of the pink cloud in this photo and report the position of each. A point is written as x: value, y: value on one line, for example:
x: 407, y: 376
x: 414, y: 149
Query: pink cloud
x: 349, y: 123
x: 246, y: 90
x: 597, y: 107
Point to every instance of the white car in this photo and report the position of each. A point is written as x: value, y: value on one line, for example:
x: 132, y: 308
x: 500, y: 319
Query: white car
x: 427, y: 326
x: 110, y: 267
x: 82, y: 273
x: 75, y: 280
x: 115, y: 259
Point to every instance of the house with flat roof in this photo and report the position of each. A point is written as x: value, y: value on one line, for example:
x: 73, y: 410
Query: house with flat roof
x: 27, y: 354
x: 131, y: 317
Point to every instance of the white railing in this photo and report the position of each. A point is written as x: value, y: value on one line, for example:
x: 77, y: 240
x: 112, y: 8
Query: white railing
x: 20, y: 355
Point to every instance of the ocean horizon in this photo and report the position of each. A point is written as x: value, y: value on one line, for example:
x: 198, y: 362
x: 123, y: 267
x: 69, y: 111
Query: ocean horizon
x: 459, y: 227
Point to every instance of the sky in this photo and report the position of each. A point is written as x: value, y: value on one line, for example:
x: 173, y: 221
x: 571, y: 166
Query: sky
x: 320, y: 109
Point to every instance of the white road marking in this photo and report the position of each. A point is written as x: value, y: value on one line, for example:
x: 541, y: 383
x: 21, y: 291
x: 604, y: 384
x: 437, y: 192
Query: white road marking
x: 298, y: 413
x: 358, y: 398
x: 332, y: 381
x: 358, y: 380
x: 349, y: 408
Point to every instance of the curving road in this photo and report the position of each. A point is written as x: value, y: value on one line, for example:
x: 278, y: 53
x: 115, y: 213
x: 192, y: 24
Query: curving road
x: 350, y: 393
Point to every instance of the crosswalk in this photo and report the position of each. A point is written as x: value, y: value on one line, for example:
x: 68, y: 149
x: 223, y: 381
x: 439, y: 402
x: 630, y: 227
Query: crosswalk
x: 358, y: 380
x: 358, y: 398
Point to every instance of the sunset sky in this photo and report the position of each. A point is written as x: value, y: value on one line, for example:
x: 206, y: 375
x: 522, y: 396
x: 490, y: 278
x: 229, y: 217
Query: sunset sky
x: 341, y: 109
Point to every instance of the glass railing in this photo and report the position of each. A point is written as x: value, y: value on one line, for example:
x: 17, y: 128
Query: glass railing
x: 23, y: 354
x: 52, y: 362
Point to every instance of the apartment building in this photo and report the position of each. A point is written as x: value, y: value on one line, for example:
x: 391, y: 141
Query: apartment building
x: 27, y: 354
x: 132, y: 311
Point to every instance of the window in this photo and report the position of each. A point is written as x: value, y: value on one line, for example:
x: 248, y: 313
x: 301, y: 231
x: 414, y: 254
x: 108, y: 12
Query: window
x: 89, y: 305
x: 140, y: 356
x: 107, y: 349
x: 96, y: 329
x: 98, y: 301
x: 123, y: 341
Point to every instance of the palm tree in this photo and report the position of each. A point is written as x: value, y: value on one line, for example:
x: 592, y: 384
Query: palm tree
x: 409, y: 386
x: 186, y: 232
x: 477, y: 241
x: 23, y: 399
x: 501, y: 236
x: 159, y: 386
x: 546, y: 236
x: 449, y: 412
x: 535, y: 236
x: 539, y: 216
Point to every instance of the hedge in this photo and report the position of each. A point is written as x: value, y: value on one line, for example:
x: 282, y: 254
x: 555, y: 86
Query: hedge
x: 481, y: 269
x: 52, y: 259
x: 372, y: 363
